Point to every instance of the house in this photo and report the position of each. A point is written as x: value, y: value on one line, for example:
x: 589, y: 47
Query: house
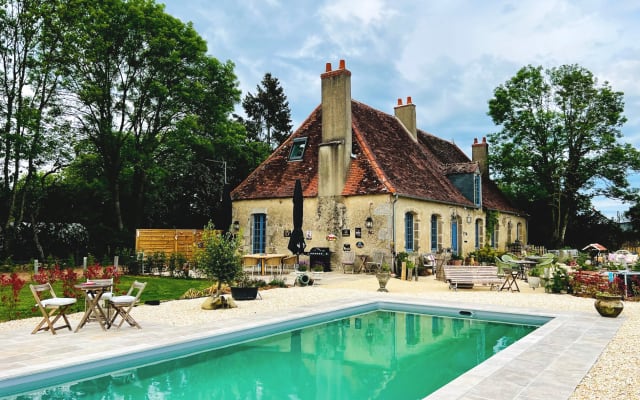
x: 374, y: 182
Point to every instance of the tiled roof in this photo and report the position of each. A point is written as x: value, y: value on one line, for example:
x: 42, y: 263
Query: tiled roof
x: 386, y: 159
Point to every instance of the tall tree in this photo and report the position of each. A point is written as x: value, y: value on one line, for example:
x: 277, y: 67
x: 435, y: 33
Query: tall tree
x: 269, y: 116
x: 33, y: 136
x: 136, y: 74
x: 559, y: 141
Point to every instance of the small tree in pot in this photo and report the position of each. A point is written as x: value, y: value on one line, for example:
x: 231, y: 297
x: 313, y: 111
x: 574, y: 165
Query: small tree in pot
x: 218, y: 256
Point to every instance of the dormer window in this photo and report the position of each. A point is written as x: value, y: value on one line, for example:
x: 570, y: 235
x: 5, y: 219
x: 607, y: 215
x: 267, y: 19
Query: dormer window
x: 297, y: 149
x: 477, y: 190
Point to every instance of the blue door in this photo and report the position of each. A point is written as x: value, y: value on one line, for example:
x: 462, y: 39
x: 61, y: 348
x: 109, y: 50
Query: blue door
x: 454, y: 236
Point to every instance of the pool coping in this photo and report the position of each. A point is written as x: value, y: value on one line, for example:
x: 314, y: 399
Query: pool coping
x: 548, y: 363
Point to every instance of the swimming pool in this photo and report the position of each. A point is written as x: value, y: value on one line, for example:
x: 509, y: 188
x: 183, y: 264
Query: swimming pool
x: 354, y: 351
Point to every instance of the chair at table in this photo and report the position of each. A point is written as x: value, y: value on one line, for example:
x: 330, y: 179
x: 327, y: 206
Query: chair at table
x: 51, y: 307
x: 122, y: 305
x: 376, y: 262
x: 273, y: 263
x: 289, y: 263
x: 429, y: 262
x: 348, y: 261
x: 251, y: 265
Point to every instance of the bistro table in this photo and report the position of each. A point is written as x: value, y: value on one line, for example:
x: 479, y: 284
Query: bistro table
x: 523, y: 265
x: 93, y: 292
x: 363, y: 261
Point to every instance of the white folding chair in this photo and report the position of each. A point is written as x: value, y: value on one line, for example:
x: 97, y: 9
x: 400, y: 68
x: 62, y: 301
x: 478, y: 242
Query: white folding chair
x: 348, y: 261
x: 51, y: 306
x: 122, y: 305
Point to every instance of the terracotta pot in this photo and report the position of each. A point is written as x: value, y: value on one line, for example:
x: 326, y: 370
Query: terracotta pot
x: 608, y: 305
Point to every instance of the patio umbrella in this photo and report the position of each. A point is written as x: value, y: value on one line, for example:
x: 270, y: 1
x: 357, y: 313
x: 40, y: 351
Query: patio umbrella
x: 296, y: 241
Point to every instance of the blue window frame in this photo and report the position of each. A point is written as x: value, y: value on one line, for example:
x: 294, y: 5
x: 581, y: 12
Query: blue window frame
x: 477, y: 190
x: 478, y: 231
x: 408, y: 232
x: 259, y: 233
x: 454, y: 236
x: 434, y: 233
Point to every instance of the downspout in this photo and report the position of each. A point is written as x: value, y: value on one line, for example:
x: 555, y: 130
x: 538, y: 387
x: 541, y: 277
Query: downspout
x: 393, y: 232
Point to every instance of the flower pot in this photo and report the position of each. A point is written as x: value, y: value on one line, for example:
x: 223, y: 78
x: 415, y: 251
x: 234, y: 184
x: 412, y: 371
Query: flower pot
x: 608, y: 305
x: 244, y: 293
x: 534, y: 282
x: 383, y: 278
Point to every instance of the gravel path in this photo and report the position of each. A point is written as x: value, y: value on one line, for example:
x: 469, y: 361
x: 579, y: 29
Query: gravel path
x: 614, y: 376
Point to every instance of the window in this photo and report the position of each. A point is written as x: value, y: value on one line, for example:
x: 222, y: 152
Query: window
x: 519, y: 232
x: 477, y: 190
x: 434, y: 233
x: 410, y: 233
x: 479, y: 234
x: 455, y: 248
x: 259, y: 233
x: 297, y: 149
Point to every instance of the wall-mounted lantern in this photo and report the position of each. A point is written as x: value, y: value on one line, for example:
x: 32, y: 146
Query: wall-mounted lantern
x: 236, y: 226
x: 368, y: 223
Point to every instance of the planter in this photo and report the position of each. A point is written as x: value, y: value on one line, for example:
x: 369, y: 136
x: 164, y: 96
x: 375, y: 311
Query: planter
x: 608, y: 305
x: 244, y: 293
x: 383, y: 278
x: 534, y: 282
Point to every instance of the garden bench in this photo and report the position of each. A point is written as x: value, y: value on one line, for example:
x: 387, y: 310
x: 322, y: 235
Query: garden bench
x: 467, y: 276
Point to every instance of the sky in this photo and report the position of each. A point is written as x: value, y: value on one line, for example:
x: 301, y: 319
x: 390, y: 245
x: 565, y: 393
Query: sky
x: 448, y: 55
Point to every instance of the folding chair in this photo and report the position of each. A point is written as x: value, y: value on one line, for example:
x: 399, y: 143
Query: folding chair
x: 122, y: 305
x: 57, y: 305
x: 375, y: 264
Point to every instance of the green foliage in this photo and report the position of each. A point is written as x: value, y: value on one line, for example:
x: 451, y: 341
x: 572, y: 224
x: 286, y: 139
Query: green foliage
x: 559, y: 137
x: 219, y: 257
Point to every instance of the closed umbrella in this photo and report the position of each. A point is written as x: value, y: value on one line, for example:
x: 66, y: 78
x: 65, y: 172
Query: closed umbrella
x: 296, y: 241
x: 224, y: 216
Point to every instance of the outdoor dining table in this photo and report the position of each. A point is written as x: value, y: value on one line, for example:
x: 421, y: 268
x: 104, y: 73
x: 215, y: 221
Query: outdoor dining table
x: 93, y: 293
x: 523, y: 265
x: 262, y: 257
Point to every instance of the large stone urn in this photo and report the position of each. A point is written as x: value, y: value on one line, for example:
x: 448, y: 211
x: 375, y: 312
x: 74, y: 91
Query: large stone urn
x: 383, y: 278
x: 609, y: 305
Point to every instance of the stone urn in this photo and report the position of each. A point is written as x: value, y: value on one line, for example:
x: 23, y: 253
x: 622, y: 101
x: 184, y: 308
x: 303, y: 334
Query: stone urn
x: 609, y: 305
x: 383, y: 278
x: 534, y: 282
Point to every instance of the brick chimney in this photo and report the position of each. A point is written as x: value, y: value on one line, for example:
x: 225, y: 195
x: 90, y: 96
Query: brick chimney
x: 407, y: 115
x: 480, y: 154
x: 334, y: 153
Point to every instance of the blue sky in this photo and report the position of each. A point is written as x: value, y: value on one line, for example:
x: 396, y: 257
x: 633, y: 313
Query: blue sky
x: 448, y: 56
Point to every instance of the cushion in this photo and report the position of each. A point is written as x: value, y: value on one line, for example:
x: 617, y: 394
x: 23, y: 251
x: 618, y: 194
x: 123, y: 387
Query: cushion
x: 122, y: 299
x: 58, y: 301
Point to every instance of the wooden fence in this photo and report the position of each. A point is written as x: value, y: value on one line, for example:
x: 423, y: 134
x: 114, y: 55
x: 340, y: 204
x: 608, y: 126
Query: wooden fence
x: 168, y: 241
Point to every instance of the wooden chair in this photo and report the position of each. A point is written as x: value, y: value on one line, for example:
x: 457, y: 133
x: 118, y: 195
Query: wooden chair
x: 376, y: 262
x: 51, y: 306
x: 122, y: 305
x: 348, y: 261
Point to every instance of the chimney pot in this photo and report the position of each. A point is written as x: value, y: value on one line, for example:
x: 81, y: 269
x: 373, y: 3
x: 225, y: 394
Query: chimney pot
x: 327, y: 67
x: 475, y: 140
x: 484, y: 139
x: 408, y: 99
x: 342, y: 65
x: 399, y: 102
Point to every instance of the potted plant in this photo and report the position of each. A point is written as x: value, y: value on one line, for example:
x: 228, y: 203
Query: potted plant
x: 218, y: 257
x: 410, y: 269
x: 456, y: 259
x: 608, y: 304
x: 533, y: 277
x: 383, y: 276
x: 245, y: 288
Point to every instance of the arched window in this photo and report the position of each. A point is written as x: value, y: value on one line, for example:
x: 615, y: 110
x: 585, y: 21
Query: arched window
x: 479, y: 233
x: 436, y: 233
x: 411, y: 232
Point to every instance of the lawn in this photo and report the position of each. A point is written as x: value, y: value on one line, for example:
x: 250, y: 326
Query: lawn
x: 158, y: 288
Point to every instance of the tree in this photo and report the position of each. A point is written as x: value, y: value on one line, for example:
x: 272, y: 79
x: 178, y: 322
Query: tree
x: 559, y: 142
x: 219, y: 257
x: 269, y: 116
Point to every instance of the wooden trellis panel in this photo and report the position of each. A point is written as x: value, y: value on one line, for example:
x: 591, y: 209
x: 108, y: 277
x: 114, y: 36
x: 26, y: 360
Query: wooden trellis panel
x: 168, y: 241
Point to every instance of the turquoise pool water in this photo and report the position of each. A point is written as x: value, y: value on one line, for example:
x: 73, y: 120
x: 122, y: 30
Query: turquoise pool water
x: 383, y: 354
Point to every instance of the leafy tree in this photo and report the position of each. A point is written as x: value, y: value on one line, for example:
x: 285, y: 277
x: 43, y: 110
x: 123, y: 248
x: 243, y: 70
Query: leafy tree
x: 559, y: 142
x: 33, y: 136
x: 269, y: 116
x: 219, y: 257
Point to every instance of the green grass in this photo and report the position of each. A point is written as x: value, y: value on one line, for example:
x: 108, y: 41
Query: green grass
x: 158, y: 288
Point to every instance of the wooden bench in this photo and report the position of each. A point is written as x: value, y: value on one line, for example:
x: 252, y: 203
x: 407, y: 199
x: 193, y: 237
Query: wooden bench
x: 467, y: 276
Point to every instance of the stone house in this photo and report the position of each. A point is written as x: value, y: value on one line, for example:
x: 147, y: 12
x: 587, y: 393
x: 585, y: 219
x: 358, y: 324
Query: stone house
x: 373, y: 182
